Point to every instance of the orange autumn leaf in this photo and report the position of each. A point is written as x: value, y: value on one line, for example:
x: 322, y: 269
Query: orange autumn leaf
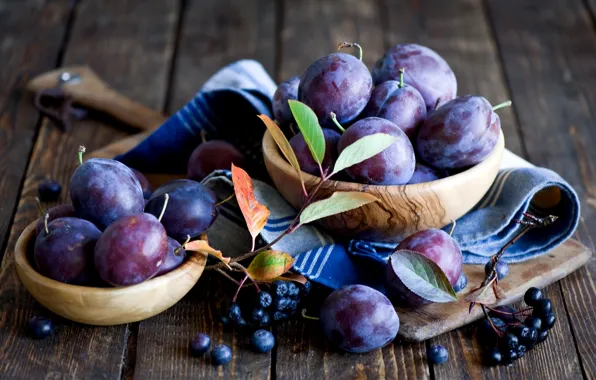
x: 255, y: 214
x: 293, y: 277
x: 204, y: 247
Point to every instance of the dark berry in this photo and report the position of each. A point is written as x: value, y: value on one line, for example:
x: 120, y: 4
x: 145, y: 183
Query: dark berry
x: 549, y: 321
x: 241, y: 323
x: 279, y: 288
x: 234, y: 312
x: 293, y: 290
x: 487, y: 336
x: 437, y: 354
x: 461, y: 283
x: 542, y: 308
x: 40, y: 327
x: 279, y: 316
x: 532, y: 295
x: 510, y: 342
x: 280, y: 303
x: 506, y: 313
x: 262, y: 341
x: 501, y: 268
x: 521, y: 351
x: 305, y: 289
x: 494, y: 357
x: 49, y: 190
x: 224, y: 320
x: 257, y: 315
x: 221, y: 354
x: 510, y: 356
x: 266, y: 319
x: 264, y: 299
x: 522, y: 332
x: 533, y: 322
x: 200, y: 344
x: 292, y: 306
x: 542, y: 335
x: 531, y: 338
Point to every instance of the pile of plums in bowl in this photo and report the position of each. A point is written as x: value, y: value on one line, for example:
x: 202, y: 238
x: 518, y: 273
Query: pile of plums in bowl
x: 117, y: 253
x: 446, y: 154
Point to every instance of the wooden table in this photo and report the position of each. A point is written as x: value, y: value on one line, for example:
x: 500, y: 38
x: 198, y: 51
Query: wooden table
x: 539, y: 53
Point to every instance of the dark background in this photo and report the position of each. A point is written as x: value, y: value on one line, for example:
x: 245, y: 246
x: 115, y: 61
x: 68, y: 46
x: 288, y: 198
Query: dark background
x: 539, y: 53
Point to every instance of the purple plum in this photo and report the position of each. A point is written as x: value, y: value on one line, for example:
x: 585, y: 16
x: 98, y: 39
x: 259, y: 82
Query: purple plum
x: 131, y: 250
x: 393, y: 166
x: 172, y: 260
x: 190, y: 210
x: 307, y: 163
x: 144, y: 182
x: 423, y: 173
x: 459, y: 134
x: 338, y: 83
x: 64, y: 252
x: 425, y: 70
x: 399, y: 103
x: 434, y: 244
x: 103, y: 191
x: 358, y: 318
x: 287, y: 90
x: 213, y: 155
x: 55, y: 212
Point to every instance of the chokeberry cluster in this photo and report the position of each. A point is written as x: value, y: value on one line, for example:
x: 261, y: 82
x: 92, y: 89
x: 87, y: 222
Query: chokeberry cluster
x: 267, y: 308
x: 261, y: 341
x: 507, y: 337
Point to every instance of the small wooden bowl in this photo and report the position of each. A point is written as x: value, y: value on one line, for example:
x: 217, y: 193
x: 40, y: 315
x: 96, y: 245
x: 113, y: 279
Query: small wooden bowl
x: 402, y: 210
x: 106, y: 306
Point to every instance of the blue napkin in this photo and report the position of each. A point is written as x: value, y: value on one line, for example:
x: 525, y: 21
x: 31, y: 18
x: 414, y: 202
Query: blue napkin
x: 226, y: 108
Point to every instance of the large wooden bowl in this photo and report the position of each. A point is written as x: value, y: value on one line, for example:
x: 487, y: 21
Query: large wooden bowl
x: 106, y: 306
x: 402, y: 210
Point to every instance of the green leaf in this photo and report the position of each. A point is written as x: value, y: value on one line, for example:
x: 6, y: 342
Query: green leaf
x: 422, y: 276
x: 336, y: 203
x: 308, y: 123
x: 268, y: 265
x: 363, y: 149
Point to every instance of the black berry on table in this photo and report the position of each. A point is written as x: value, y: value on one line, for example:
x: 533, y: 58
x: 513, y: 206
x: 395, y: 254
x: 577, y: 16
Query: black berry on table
x: 521, y: 351
x: 510, y: 342
x: 221, y: 354
x: 494, y: 357
x: 200, y: 344
x: 279, y: 288
x: 262, y: 341
x: 41, y: 327
x: 542, y: 335
x: 542, y: 308
x: 437, y: 354
x: 234, y: 312
x: 533, y: 322
x: 549, y: 321
x: 293, y: 290
x: 257, y: 315
x: 532, y: 296
x: 264, y: 299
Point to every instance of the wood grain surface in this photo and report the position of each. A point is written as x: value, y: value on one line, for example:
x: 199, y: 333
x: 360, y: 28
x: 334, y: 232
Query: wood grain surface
x: 538, y: 53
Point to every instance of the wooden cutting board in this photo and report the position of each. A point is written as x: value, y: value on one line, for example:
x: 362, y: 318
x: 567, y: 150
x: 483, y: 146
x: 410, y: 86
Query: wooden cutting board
x: 435, y: 319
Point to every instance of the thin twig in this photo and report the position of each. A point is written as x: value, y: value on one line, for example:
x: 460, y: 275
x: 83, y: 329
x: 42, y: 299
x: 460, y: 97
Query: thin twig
x: 227, y: 276
x: 239, y: 266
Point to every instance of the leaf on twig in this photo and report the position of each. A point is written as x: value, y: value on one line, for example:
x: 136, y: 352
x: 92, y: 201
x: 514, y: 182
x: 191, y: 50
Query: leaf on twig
x: 308, y: 123
x: 283, y: 144
x: 270, y: 264
x: 422, y: 276
x: 338, y: 202
x: 255, y: 214
x: 204, y: 247
x: 293, y: 277
x: 363, y: 149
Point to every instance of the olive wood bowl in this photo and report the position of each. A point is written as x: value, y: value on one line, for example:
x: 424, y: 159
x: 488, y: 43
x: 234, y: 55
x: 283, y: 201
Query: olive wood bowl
x: 111, y: 305
x: 402, y: 209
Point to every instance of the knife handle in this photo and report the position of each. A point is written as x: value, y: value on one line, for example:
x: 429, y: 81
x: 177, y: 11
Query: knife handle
x: 90, y: 91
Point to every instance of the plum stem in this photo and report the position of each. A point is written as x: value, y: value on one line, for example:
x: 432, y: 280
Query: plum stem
x: 203, y: 136
x: 502, y: 105
x: 82, y: 150
x: 45, y: 223
x: 333, y: 117
x: 225, y: 200
x: 227, y: 276
x: 177, y: 250
x: 437, y: 104
x: 303, y: 313
x: 239, y: 287
x: 39, y: 206
x: 401, y: 77
x: 163, y: 209
x: 453, y: 224
x: 351, y: 44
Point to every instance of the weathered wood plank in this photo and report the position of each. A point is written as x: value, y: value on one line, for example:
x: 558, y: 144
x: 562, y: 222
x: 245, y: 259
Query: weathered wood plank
x: 31, y: 34
x: 548, y: 48
x: 312, y: 29
x: 213, y: 34
x: 129, y: 43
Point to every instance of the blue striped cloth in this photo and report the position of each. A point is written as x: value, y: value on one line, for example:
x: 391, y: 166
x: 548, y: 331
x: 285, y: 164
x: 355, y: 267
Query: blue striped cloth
x: 226, y: 108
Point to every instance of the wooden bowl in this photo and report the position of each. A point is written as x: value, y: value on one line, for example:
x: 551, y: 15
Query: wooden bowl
x: 402, y: 210
x: 106, y: 306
